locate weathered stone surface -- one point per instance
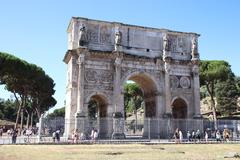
(102, 56)
(135, 40)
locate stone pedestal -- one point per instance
(118, 126)
(81, 122)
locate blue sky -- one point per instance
(36, 30)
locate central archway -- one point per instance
(148, 87)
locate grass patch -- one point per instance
(118, 152)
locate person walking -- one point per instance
(95, 135)
(180, 136)
(58, 135)
(14, 135)
(76, 136)
(193, 136)
(176, 135)
(218, 136)
(92, 134)
(198, 135)
(188, 136)
(54, 137)
(206, 136)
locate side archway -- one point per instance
(97, 114)
(179, 108)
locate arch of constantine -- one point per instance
(102, 56)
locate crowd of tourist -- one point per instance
(197, 136)
(77, 136)
(194, 136)
(13, 133)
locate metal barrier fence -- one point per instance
(140, 130)
(149, 128)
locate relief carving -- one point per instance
(174, 82)
(185, 82)
(91, 34)
(98, 76)
(94, 86)
(105, 35)
(91, 76)
(178, 44)
(173, 41)
(180, 70)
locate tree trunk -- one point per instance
(38, 113)
(18, 110)
(135, 108)
(213, 107)
(22, 114)
(135, 119)
(21, 126)
(31, 124)
(210, 89)
(17, 118)
(28, 117)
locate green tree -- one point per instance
(237, 80)
(7, 110)
(92, 109)
(28, 83)
(210, 73)
(1, 108)
(227, 94)
(42, 92)
(57, 113)
(133, 98)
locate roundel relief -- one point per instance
(184, 82)
(174, 82)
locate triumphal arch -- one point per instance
(102, 56)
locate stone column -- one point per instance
(80, 114)
(159, 96)
(167, 91)
(80, 89)
(71, 93)
(196, 91)
(195, 70)
(118, 116)
(167, 59)
(117, 86)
